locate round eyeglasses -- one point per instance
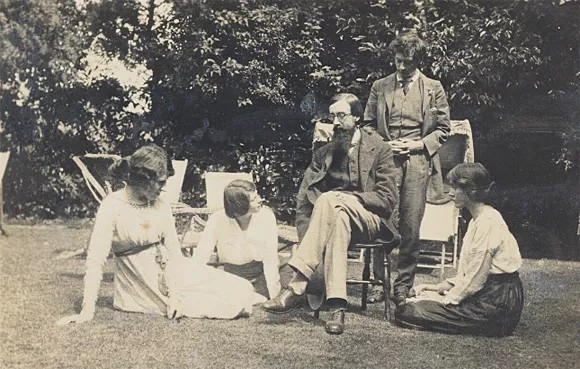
(341, 116)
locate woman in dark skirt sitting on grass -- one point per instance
(486, 296)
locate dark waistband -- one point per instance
(504, 277)
(248, 270)
(137, 249)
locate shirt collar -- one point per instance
(355, 137)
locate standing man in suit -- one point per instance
(348, 192)
(411, 112)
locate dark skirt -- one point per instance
(253, 272)
(495, 310)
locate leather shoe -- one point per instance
(336, 324)
(285, 302)
(377, 295)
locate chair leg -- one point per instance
(366, 277)
(2, 230)
(387, 287)
(442, 272)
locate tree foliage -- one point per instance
(205, 64)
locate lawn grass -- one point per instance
(36, 291)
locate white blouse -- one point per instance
(488, 248)
(259, 242)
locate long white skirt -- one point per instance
(202, 291)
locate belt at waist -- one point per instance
(504, 277)
(251, 270)
(137, 249)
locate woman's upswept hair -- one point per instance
(473, 178)
(356, 108)
(147, 163)
(237, 197)
(409, 44)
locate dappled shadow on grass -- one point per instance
(303, 315)
(102, 302)
(75, 254)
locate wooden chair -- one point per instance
(322, 135)
(441, 225)
(4, 156)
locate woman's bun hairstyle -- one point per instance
(120, 169)
(145, 164)
(474, 179)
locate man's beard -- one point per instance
(341, 140)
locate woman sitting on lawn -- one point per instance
(486, 297)
(246, 237)
(151, 274)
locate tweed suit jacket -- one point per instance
(378, 186)
(436, 122)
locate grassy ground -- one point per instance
(36, 291)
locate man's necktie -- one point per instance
(406, 83)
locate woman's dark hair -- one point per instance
(409, 44)
(473, 178)
(356, 108)
(147, 163)
(237, 197)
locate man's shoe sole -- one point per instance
(280, 312)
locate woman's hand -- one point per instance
(77, 318)
(424, 287)
(444, 287)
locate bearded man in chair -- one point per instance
(347, 194)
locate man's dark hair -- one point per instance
(356, 108)
(409, 44)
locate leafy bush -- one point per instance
(278, 171)
(208, 62)
(544, 219)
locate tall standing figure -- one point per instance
(348, 193)
(410, 111)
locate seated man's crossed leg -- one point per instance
(336, 219)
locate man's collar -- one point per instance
(355, 137)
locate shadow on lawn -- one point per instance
(102, 302)
(303, 314)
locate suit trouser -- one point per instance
(336, 220)
(412, 177)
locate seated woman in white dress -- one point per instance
(486, 296)
(246, 237)
(151, 274)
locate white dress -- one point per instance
(259, 242)
(201, 291)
